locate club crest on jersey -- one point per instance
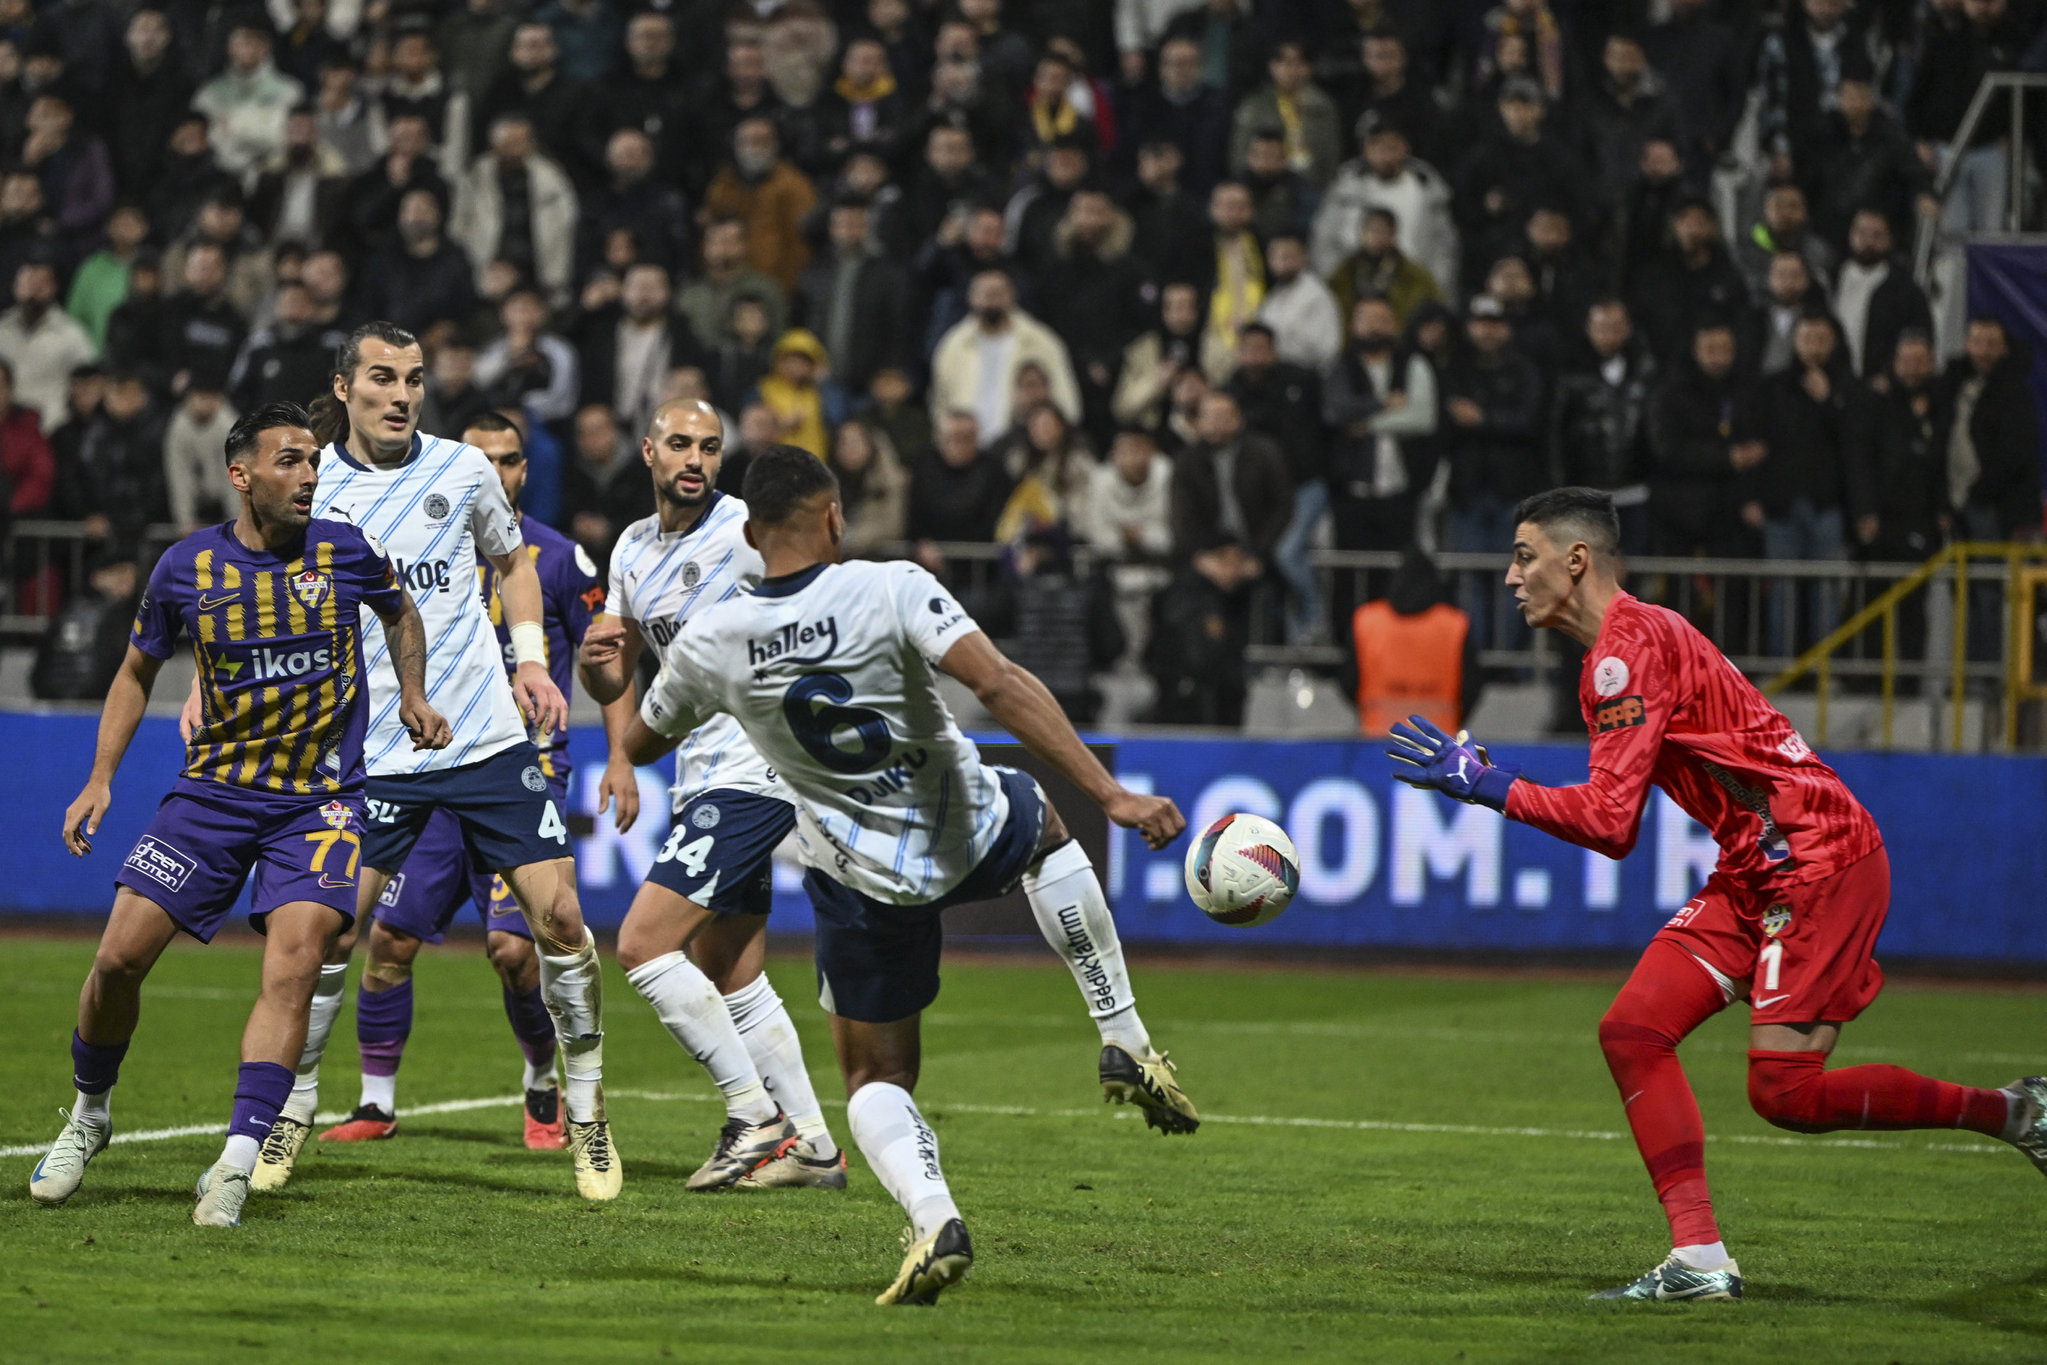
(435, 507)
(335, 814)
(1619, 714)
(1776, 919)
(704, 817)
(311, 588)
(691, 574)
(533, 780)
(1609, 677)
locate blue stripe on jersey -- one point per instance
(450, 662)
(483, 689)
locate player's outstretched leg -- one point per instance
(1667, 996)
(137, 932)
(572, 983)
(1072, 913)
(880, 1062)
(513, 957)
(695, 1015)
(383, 1023)
(296, 940)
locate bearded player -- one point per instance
(1787, 921)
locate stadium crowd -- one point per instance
(1198, 285)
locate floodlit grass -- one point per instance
(1357, 1194)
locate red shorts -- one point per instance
(1804, 952)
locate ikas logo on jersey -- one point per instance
(311, 589)
(1776, 919)
(277, 665)
(1619, 714)
(336, 815)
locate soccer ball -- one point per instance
(1243, 871)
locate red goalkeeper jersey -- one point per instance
(1665, 707)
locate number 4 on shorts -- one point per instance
(551, 826)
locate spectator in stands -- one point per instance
(794, 389)
(651, 96)
(1875, 296)
(630, 199)
(288, 360)
(1704, 445)
(854, 299)
(957, 491)
(1388, 177)
(1180, 107)
(1702, 59)
(195, 475)
(1815, 479)
(41, 343)
(1095, 295)
(743, 353)
(758, 429)
(1230, 488)
(188, 173)
(874, 490)
(966, 244)
(948, 182)
(1310, 141)
(1172, 231)
(1380, 269)
(763, 190)
(77, 176)
(516, 205)
(1599, 424)
(1957, 46)
(414, 84)
(1200, 626)
(101, 280)
(1536, 334)
(373, 196)
(1411, 652)
(302, 191)
(1177, 343)
(588, 33)
(1798, 74)
(1381, 406)
(1909, 469)
(558, 112)
(1127, 511)
(28, 470)
(1283, 403)
(346, 117)
(1298, 307)
(529, 366)
(1789, 294)
(628, 347)
(1692, 280)
(1492, 432)
(1629, 105)
(1031, 218)
(247, 104)
(605, 487)
(1990, 433)
(1861, 158)
(706, 301)
(426, 280)
(135, 331)
(1513, 168)
(1048, 465)
(248, 261)
(1783, 227)
(154, 91)
(202, 329)
(1391, 95)
(115, 482)
(863, 109)
(975, 366)
(1282, 199)
(893, 414)
(1566, 282)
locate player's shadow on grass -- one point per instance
(423, 1176)
(2009, 1305)
(779, 1282)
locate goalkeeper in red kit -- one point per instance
(1787, 921)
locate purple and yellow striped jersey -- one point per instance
(278, 643)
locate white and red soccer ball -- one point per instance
(1242, 871)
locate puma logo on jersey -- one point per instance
(1619, 714)
(782, 646)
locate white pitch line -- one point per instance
(1024, 1111)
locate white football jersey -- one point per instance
(830, 673)
(434, 514)
(661, 581)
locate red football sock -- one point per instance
(1668, 995)
(1795, 1090)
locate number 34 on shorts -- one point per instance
(692, 854)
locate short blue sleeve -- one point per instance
(159, 617)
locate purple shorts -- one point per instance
(438, 879)
(201, 845)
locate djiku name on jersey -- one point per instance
(831, 674)
(664, 580)
(434, 514)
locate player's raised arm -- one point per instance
(608, 657)
(119, 717)
(1023, 706)
(405, 633)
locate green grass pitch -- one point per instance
(1361, 1191)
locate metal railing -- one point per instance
(2016, 85)
(43, 562)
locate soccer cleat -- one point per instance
(1151, 1084)
(280, 1153)
(222, 1191)
(742, 1146)
(931, 1266)
(1674, 1282)
(367, 1124)
(544, 1131)
(2029, 1118)
(599, 1172)
(794, 1166)
(57, 1176)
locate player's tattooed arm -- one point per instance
(1022, 705)
(126, 699)
(540, 701)
(608, 658)
(405, 634)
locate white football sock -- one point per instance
(1702, 1256)
(381, 1092)
(240, 1153)
(903, 1153)
(539, 1078)
(693, 1012)
(1073, 915)
(777, 1053)
(95, 1108)
(327, 998)
(573, 987)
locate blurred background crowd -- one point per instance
(1164, 297)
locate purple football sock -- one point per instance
(532, 1025)
(383, 1021)
(261, 1088)
(94, 1068)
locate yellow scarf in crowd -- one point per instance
(882, 87)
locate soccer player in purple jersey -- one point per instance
(439, 876)
(272, 785)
